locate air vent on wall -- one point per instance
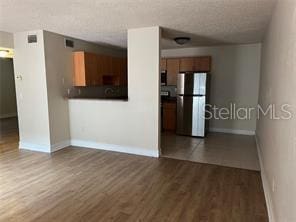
(69, 43)
(32, 38)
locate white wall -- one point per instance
(129, 126)
(59, 72)
(234, 79)
(31, 91)
(277, 138)
(46, 68)
(48, 121)
(6, 39)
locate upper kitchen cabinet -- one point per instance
(197, 64)
(123, 75)
(95, 70)
(163, 65)
(173, 68)
(105, 65)
(187, 64)
(202, 64)
(119, 72)
(85, 68)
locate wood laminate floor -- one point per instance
(8, 134)
(79, 184)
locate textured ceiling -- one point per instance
(207, 22)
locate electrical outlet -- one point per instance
(63, 81)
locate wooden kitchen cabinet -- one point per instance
(95, 70)
(123, 75)
(173, 68)
(202, 64)
(85, 69)
(198, 64)
(119, 71)
(187, 64)
(163, 64)
(169, 116)
(105, 65)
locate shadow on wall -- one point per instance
(228, 93)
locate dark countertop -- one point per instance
(120, 98)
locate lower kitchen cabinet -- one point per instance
(169, 116)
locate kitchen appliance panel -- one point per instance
(191, 83)
(191, 115)
(202, 89)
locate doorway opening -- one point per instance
(184, 133)
(9, 132)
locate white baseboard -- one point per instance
(44, 148)
(88, 144)
(58, 146)
(266, 187)
(34, 147)
(8, 115)
(116, 148)
(233, 131)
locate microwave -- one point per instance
(163, 78)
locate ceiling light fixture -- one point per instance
(182, 40)
(3, 53)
